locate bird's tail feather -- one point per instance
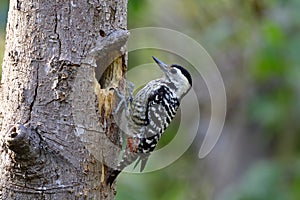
(143, 159)
(112, 176)
(127, 159)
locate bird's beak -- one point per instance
(163, 66)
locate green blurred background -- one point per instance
(256, 45)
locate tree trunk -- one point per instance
(58, 134)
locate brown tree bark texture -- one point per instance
(58, 136)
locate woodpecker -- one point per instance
(151, 112)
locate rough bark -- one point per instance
(58, 134)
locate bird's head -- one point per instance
(177, 77)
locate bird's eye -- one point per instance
(173, 71)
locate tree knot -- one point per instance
(23, 141)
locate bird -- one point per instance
(151, 111)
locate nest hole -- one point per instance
(105, 76)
